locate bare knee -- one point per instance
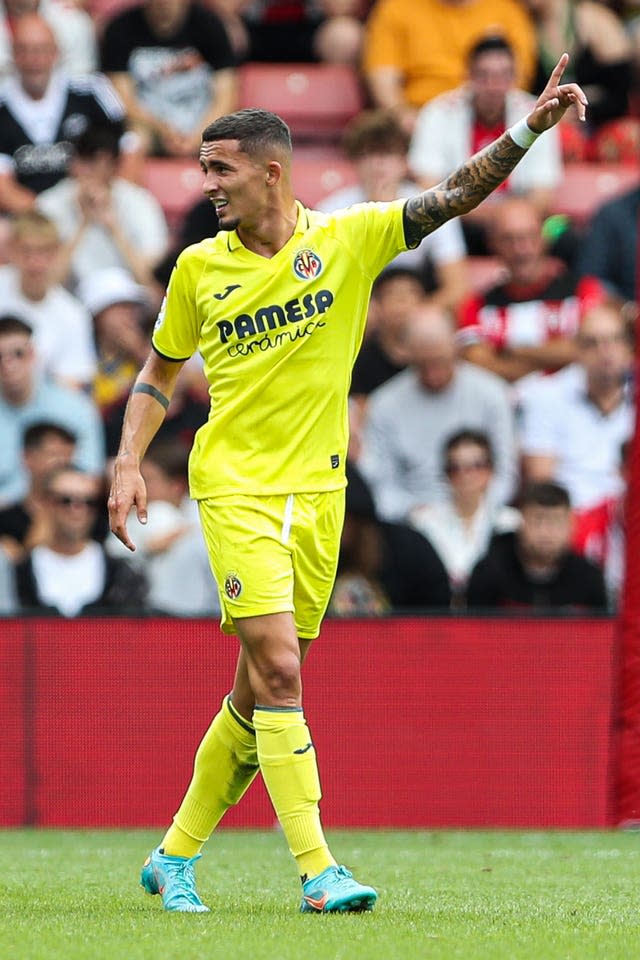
(275, 679)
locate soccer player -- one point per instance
(276, 304)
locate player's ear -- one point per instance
(273, 173)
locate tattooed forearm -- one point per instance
(462, 190)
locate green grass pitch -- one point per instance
(495, 895)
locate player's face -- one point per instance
(235, 183)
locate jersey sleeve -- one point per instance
(373, 233)
(176, 333)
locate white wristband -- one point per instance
(522, 134)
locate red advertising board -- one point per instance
(417, 722)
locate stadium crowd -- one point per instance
(492, 401)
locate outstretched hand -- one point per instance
(555, 100)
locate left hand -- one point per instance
(555, 100)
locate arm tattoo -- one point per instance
(462, 190)
(153, 392)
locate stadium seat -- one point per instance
(315, 99)
(176, 184)
(586, 186)
(314, 178)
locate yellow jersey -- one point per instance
(279, 338)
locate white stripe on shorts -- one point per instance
(286, 521)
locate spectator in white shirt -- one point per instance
(464, 120)
(461, 527)
(575, 421)
(104, 220)
(377, 146)
(410, 417)
(62, 326)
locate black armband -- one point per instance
(153, 392)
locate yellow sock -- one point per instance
(226, 762)
(288, 765)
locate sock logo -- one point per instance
(304, 749)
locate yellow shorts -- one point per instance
(274, 554)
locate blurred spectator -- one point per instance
(460, 527)
(45, 447)
(293, 31)
(117, 304)
(415, 51)
(25, 398)
(172, 64)
(103, 219)
(170, 548)
(397, 293)
(188, 411)
(463, 121)
(41, 112)
(383, 566)
(610, 248)
(527, 324)
(70, 574)
(575, 421)
(62, 329)
(377, 146)
(72, 27)
(535, 565)
(600, 534)
(601, 62)
(8, 599)
(410, 417)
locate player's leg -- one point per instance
(288, 763)
(225, 764)
(315, 556)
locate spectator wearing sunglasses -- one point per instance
(460, 527)
(26, 397)
(70, 574)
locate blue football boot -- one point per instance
(335, 891)
(174, 879)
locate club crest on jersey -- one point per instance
(232, 586)
(307, 264)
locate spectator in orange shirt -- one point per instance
(415, 51)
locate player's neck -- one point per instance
(272, 232)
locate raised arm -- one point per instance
(472, 182)
(148, 402)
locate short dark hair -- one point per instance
(97, 139)
(477, 437)
(491, 44)
(397, 273)
(38, 432)
(170, 456)
(544, 493)
(374, 131)
(53, 475)
(256, 130)
(10, 323)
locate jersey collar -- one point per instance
(302, 225)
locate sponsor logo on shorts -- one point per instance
(307, 264)
(232, 586)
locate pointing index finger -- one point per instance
(558, 70)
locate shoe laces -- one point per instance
(183, 875)
(342, 875)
